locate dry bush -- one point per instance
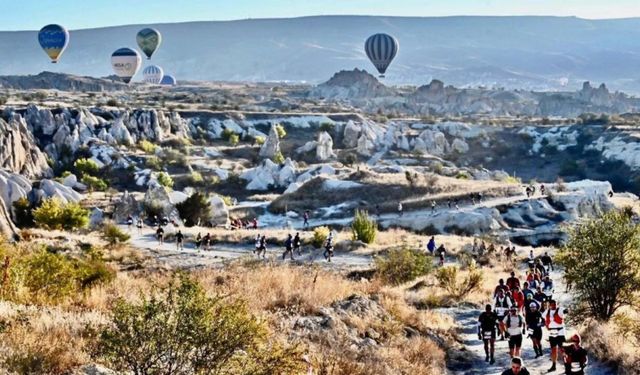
(459, 286)
(605, 342)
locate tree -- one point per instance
(180, 330)
(602, 264)
(53, 214)
(194, 209)
(403, 265)
(86, 167)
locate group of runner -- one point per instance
(527, 309)
(293, 244)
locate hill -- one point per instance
(515, 52)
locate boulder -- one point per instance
(351, 134)
(271, 146)
(158, 198)
(13, 186)
(96, 218)
(19, 152)
(459, 146)
(324, 149)
(125, 206)
(54, 189)
(434, 143)
(219, 213)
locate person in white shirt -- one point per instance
(554, 321)
(515, 327)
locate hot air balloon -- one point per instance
(152, 74)
(53, 40)
(168, 80)
(149, 40)
(381, 49)
(125, 63)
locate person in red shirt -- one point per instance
(518, 298)
(513, 281)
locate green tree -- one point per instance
(280, 130)
(363, 227)
(403, 265)
(602, 264)
(180, 330)
(53, 214)
(194, 209)
(86, 167)
(94, 183)
(165, 180)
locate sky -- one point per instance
(33, 14)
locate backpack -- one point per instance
(509, 320)
(556, 317)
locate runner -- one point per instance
(129, 222)
(518, 298)
(179, 240)
(515, 327)
(297, 244)
(400, 209)
(262, 247)
(516, 368)
(547, 262)
(139, 225)
(500, 287)
(547, 287)
(575, 357)
(206, 241)
(288, 247)
(527, 292)
(160, 235)
(256, 246)
(502, 304)
(328, 247)
(441, 254)
(554, 321)
(431, 245)
(433, 207)
(535, 322)
(513, 281)
(305, 216)
(539, 295)
(487, 324)
(198, 241)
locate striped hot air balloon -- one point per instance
(149, 40)
(152, 74)
(126, 63)
(381, 49)
(53, 39)
(168, 80)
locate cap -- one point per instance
(576, 338)
(533, 304)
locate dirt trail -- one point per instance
(467, 320)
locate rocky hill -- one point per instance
(59, 81)
(363, 90)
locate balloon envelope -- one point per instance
(168, 80)
(53, 40)
(125, 63)
(149, 40)
(152, 74)
(381, 49)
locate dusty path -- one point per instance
(467, 320)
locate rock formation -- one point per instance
(271, 146)
(324, 148)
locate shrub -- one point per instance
(113, 102)
(53, 214)
(403, 265)
(512, 180)
(94, 183)
(194, 209)
(350, 159)
(147, 146)
(363, 227)
(176, 158)
(459, 289)
(601, 261)
(280, 130)
(49, 276)
(234, 139)
(227, 133)
(462, 175)
(260, 140)
(195, 178)
(86, 167)
(180, 330)
(165, 180)
(328, 127)
(228, 201)
(278, 158)
(320, 235)
(114, 235)
(23, 213)
(153, 163)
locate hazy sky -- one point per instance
(76, 14)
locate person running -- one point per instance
(575, 357)
(547, 262)
(542, 189)
(262, 247)
(518, 298)
(515, 327)
(206, 241)
(540, 267)
(328, 248)
(198, 241)
(297, 244)
(487, 325)
(526, 291)
(305, 216)
(441, 254)
(554, 321)
(288, 247)
(431, 245)
(449, 203)
(547, 287)
(517, 368)
(433, 207)
(179, 240)
(160, 235)
(400, 213)
(500, 287)
(502, 304)
(539, 295)
(534, 321)
(129, 222)
(513, 281)
(139, 225)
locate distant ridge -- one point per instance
(542, 53)
(59, 81)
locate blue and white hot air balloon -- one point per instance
(168, 80)
(126, 63)
(53, 39)
(381, 49)
(152, 74)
